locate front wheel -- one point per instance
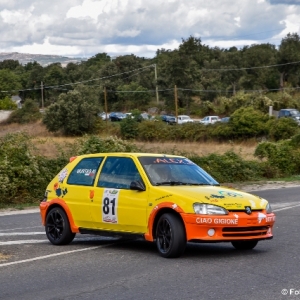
(57, 227)
(170, 236)
(244, 245)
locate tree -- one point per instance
(133, 95)
(289, 52)
(258, 76)
(9, 64)
(9, 83)
(231, 62)
(72, 114)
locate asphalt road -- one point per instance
(93, 267)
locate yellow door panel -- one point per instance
(79, 202)
(120, 210)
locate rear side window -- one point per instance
(85, 171)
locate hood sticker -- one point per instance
(162, 197)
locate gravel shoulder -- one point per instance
(263, 185)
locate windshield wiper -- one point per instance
(170, 183)
(183, 183)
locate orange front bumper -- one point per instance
(235, 226)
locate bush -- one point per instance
(248, 122)
(129, 128)
(95, 144)
(29, 113)
(23, 176)
(282, 156)
(7, 104)
(153, 131)
(229, 167)
(283, 128)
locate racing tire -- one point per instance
(244, 245)
(170, 236)
(57, 227)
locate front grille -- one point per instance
(245, 231)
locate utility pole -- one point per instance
(176, 104)
(156, 87)
(105, 104)
(42, 92)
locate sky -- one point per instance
(83, 28)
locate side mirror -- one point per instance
(137, 186)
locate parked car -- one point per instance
(103, 115)
(290, 113)
(210, 120)
(129, 115)
(171, 121)
(166, 118)
(182, 119)
(225, 119)
(117, 116)
(145, 116)
(162, 198)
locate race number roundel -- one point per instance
(110, 205)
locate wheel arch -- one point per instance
(157, 212)
(61, 204)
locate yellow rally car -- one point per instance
(163, 198)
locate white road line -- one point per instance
(46, 256)
(287, 207)
(21, 233)
(11, 229)
(19, 212)
(8, 243)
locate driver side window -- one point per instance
(118, 173)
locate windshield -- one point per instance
(294, 112)
(175, 171)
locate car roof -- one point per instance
(289, 109)
(125, 154)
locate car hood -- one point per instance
(228, 198)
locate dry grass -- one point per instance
(4, 257)
(244, 149)
(49, 148)
(33, 129)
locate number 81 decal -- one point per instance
(110, 206)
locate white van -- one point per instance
(184, 119)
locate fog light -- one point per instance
(211, 232)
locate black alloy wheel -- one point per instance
(170, 236)
(58, 228)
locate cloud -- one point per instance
(285, 2)
(87, 27)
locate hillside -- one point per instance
(43, 60)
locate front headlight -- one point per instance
(269, 208)
(209, 209)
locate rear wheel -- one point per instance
(57, 227)
(170, 236)
(244, 245)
